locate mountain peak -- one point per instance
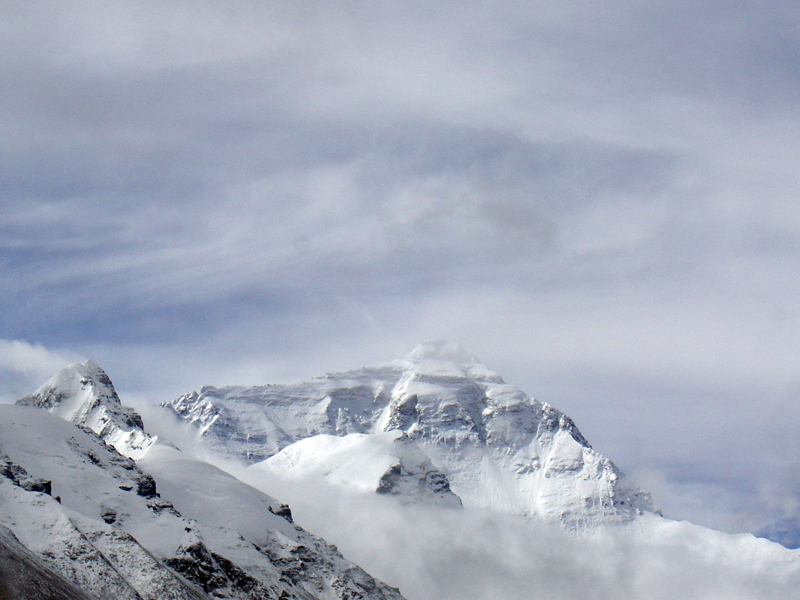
(91, 367)
(83, 393)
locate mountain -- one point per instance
(435, 425)
(163, 526)
(93, 506)
(84, 394)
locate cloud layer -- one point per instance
(471, 554)
(598, 201)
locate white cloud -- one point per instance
(441, 554)
(25, 366)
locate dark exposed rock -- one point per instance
(389, 479)
(109, 515)
(403, 413)
(20, 477)
(146, 486)
(197, 565)
(421, 481)
(216, 574)
(282, 510)
(159, 505)
(237, 576)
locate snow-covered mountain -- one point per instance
(84, 394)
(93, 506)
(163, 526)
(432, 426)
(24, 575)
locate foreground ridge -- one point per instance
(164, 526)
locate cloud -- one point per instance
(25, 366)
(472, 554)
(588, 197)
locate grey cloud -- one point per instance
(586, 196)
(24, 367)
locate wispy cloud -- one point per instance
(25, 366)
(239, 191)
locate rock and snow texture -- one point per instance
(80, 520)
(84, 394)
(165, 527)
(99, 513)
(25, 576)
(485, 440)
(387, 462)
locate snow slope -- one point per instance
(166, 526)
(101, 526)
(495, 446)
(25, 576)
(387, 462)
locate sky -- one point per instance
(600, 202)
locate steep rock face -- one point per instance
(496, 446)
(84, 394)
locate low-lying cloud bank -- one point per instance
(446, 554)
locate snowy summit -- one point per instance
(93, 506)
(435, 423)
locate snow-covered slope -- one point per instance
(100, 515)
(25, 576)
(387, 462)
(84, 394)
(167, 526)
(494, 446)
